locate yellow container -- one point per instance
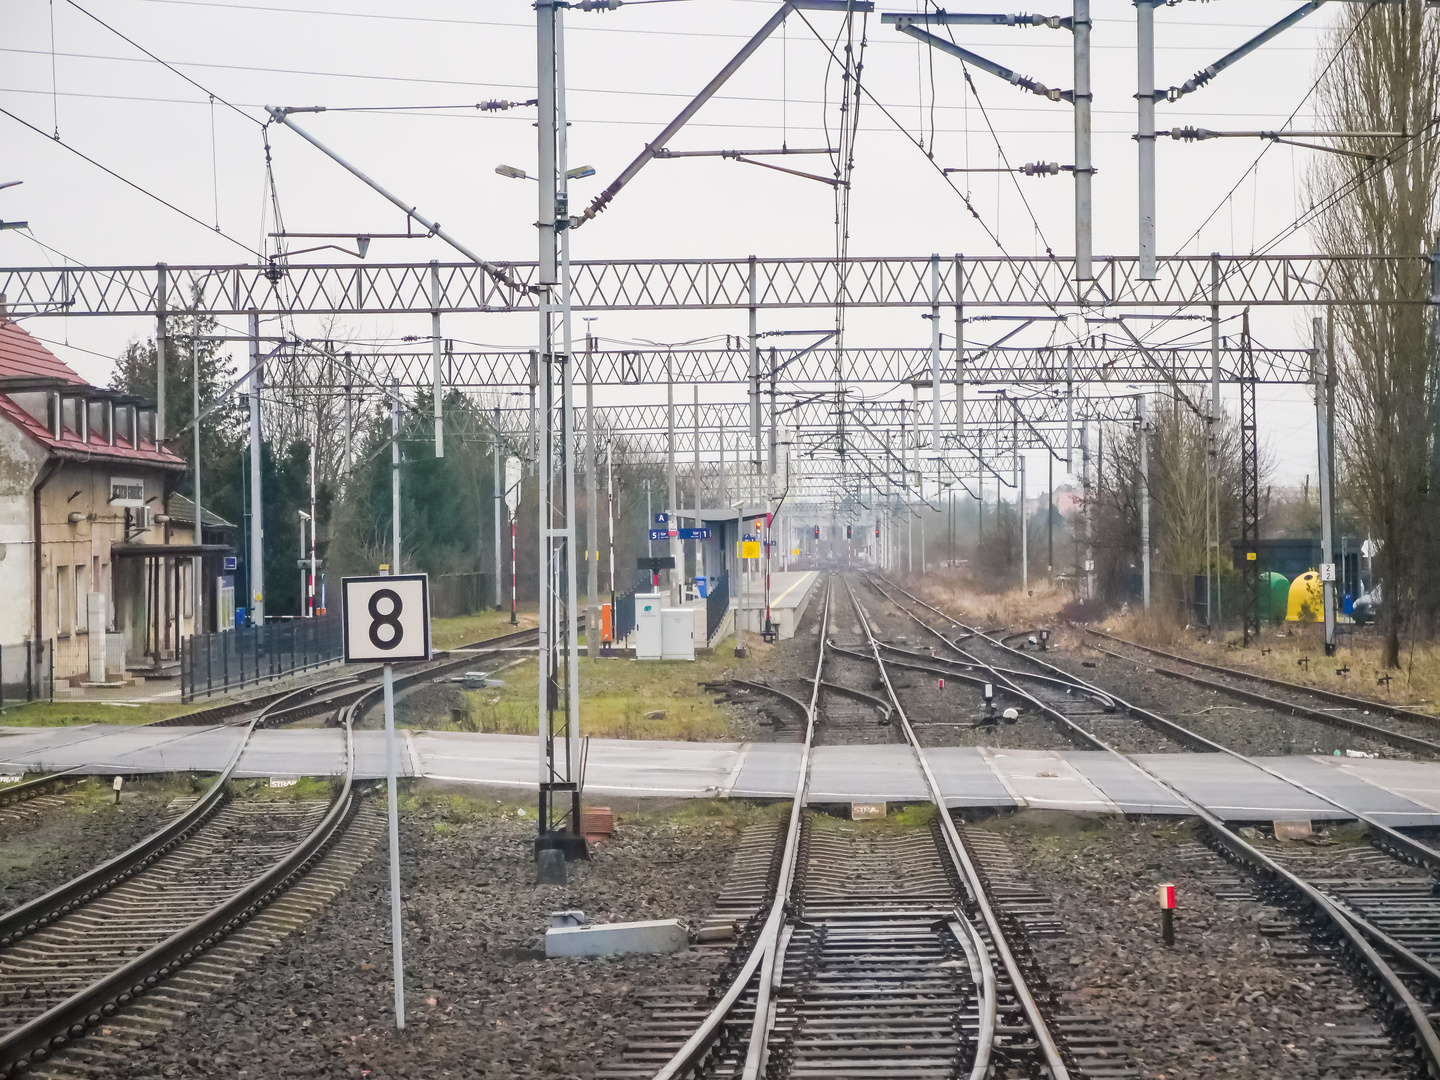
(1307, 601)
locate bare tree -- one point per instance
(1383, 74)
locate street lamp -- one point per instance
(580, 172)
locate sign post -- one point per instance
(388, 619)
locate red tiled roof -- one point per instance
(21, 354)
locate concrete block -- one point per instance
(616, 939)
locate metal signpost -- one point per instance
(387, 618)
(512, 502)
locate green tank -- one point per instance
(1274, 597)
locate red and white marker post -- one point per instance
(1167, 912)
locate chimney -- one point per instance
(4, 307)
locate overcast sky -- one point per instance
(629, 72)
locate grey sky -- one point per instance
(629, 71)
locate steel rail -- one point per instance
(1379, 734)
(1398, 711)
(1407, 847)
(38, 1038)
(960, 855)
(762, 954)
(35, 1040)
(1355, 929)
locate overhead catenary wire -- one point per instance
(131, 183)
(168, 66)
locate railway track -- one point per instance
(88, 968)
(1406, 730)
(1381, 911)
(868, 957)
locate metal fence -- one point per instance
(452, 595)
(717, 602)
(234, 659)
(27, 672)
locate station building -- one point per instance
(93, 557)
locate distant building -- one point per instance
(88, 523)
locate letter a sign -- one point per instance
(386, 618)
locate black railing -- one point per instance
(717, 602)
(234, 659)
(623, 616)
(27, 672)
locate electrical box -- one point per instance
(647, 626)
(677, 634)
(607, 626)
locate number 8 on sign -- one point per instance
(389, 620)
(386, 618)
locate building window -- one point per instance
(82, 599)
(64, 601)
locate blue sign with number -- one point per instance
(694, 534)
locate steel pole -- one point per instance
(1084, 170)
(935, 353)
(257, 514)
(392, 807)
(592, 510)
(1145, 135)
(499, 491)
(1024, 532)
(162, 341)
(1140, 412)
(677, 552)
(395, 478)
(435, 366)
(197, 564)
(1322, 443)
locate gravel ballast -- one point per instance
(86, 831)
(481, 999)
(1243, 993)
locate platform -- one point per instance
(790, 593)
(1395, 792)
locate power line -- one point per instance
(169, 67)
(130, 183)
(1269, 144)
(609, 91)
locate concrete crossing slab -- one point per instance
(121, 748)
(1396, 792)
(1234, 790)
(859, 773)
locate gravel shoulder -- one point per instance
(1234, 997)
(481, 1000)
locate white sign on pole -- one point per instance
(512, 484)
(386, 618)
(1327, 571)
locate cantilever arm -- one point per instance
(282, 116)
(656, 145)
(998, 70)
(1204, 75)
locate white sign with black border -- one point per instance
(386, 618)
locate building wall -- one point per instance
(76, 560)
(20, 463)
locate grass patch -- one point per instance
(72, 713)
(467, 629)
(304, 789)
(450, 808)
(616, 696)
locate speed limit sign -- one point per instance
(386, 618)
